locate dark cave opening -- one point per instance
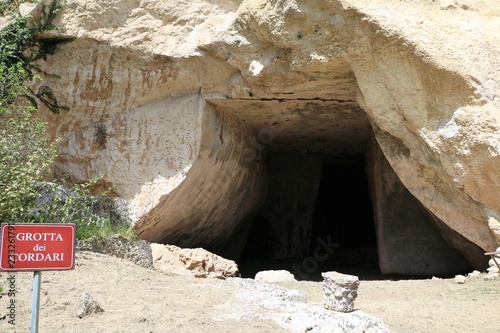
(334, 202)
(316, 217)
(346, 213)
(343, 225)
(343, 210)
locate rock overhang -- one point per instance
(312, 126)
(300, 62)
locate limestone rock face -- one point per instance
(176, 102)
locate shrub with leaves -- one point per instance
(25, 155)
(25, 152)
(93, 215)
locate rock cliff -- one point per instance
(180, 103)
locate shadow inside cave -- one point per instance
(361, 262)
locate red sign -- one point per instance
(37, 247)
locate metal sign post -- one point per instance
(35, 305)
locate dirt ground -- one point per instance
(136, 299)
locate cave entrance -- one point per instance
(317, 216)
(329, 183)
(347, 213)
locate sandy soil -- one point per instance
(135, 299)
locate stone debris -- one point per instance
(272, 276)
(164, 258)
(87, 306)
(340, 291)
(493, 265)
(139, 251)
(491, 276)
(192, 262)
(474, 275)
(49, 193)
(492, 270)
(460, 279)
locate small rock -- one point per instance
(435, 278)
(493, 269)
(86, 306)
(493, 262)
(474, 275)
(491, 276)
(272, 276)
(460, 279)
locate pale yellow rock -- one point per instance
(192, 262)
(158, 78)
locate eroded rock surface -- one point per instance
(138, 252)
(176, 101)
(192, 262)
(289, 309)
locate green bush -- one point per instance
(25, 152)
(91, 214)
